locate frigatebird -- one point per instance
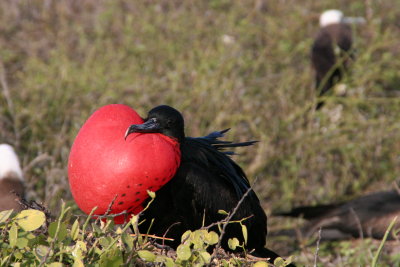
(11, 179)
(366, 216)
(207, 181)
(332, 50)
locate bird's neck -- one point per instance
(9, 184)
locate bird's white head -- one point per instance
(9, 163)
(332, 16)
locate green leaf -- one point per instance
(4, 260)
(169, 262)
(128, 240)
(78, 263)
(108, 226)
(200, 233)
(42, 251)
(205, 256)
(244, 231)
(183, 252)
(279, 262)
(96, 228)
(22, 242)
(118, 231)
(111, 258)
(26, 239)
(18, 255)
(4, 215)
(75, 230)
(260, 264)
(13, 235)
(62, 231)
(30, 220)
(186, 235)
(134, 219)
(233, 243)
(151, 194)
(223, 212)
(55, 264)
(105, 241)
(211, 238)
(198, 239)
(146, 255)
(79, 249)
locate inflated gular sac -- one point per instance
(103, 166)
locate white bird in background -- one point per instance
(332, 49)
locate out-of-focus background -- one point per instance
(239, 64)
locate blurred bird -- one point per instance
(11, 179)
(332, 49)
(366, 216)
(206, 181)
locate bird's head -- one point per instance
(162, 119)
(334, 16)
(9, 163)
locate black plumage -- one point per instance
(207, 180)
(366, 216)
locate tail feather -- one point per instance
(213, 139)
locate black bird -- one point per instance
(207, 181)
(332, 50)
(366, 216)
(11, 179)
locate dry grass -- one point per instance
(242, 64)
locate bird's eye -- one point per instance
(169, 123)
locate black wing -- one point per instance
(209, 152)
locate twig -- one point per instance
(4, 85)
(10, 104)
(35, 206)
(162, 247)
(229, 218)
(378, 253)
(111, 215)
(226, 220)
(154, 236)
(317, 249)
(51, 248)
(110, 205)
(107, 213)
(38, 159)
(255, 259)
(166, 232)
(231, 215)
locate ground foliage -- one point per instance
(240, 64)
(30, 238)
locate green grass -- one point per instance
(63, 60)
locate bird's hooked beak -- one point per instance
(149, 126)
(353, 20)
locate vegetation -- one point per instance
(32, 239)
(240, 64)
